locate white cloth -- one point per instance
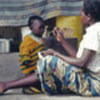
(91, 41)
(38, 39)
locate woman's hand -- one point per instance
(48, 52)
(58, 33)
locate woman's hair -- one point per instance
(92, 7)
(32, 18)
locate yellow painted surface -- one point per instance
(70, 22)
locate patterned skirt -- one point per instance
(57, 76)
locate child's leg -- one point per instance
(31, 79)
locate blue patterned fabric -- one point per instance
(57, 76)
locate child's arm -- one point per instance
(68, 48)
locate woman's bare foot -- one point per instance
(2, 87)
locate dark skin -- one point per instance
(37, 28)
(80, 62)
(68, 48)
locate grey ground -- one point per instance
(9, 70)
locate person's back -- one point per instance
(91, 41)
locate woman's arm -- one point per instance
(68, 48)
(80, 62)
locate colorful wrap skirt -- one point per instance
(57, 76)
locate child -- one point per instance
(29, 48)
(79, 72)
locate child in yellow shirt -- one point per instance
(29, 48)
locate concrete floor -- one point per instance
(9, 70)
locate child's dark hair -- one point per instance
(32, 18)
(92, 7)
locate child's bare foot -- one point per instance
(2, 87)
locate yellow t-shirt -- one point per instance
(28, 56)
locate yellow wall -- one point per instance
(72, 22)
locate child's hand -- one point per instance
(48, 52)
(58, 33)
